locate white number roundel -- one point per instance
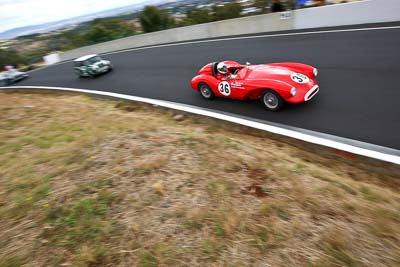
(299, 78)
(224, 88)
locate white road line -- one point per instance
(257, 125)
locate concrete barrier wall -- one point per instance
(368, 11)
(254, 24)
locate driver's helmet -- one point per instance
(222, 68)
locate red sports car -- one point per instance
(274, 84)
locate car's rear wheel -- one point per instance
(206, 91)
(272, 101)
(6, 82)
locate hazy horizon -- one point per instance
(22, 13)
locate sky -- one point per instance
(19, 13)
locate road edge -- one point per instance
(339, 143)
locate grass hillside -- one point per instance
(89, 182)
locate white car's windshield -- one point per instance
(93, 60)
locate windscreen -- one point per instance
(93, 60)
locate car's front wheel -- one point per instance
(91, 73)
(78, 73)
(6, 82)
(206, 91)
(272, 101)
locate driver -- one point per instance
(223, 72)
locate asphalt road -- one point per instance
(359, 75)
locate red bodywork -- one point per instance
(252, 80)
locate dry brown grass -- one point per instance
(86, 183)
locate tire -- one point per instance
(91, 74)
(6, 82)
(78, 73)
(205, 91)
(272, 101)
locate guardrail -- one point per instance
(367, 11)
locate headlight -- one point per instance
(95, 67)
(315, 72)
(293, 91)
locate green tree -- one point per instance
(103, 30)
(291, 4)
(10, 57)
(198, 16)
(153, 19)
(97, 31)
(228, 11)
(36, 55)
(262, 4)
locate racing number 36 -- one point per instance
(299, 78)
(224, 88)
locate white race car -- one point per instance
(11, 75)
(91, 66)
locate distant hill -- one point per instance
(27, 30)
(51, 26)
